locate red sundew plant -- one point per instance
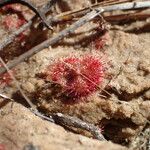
(78, 77)
(14, 20)
(100, 42)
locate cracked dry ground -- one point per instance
(124, 113)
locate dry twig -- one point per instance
(5, 97)
(127, 17)
(78, 13)
(77, 123)
(68, 121)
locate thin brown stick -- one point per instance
(127, 17)
(78, 13)
(6, 97)
(77, 123)
(7, 40)
(69, 121)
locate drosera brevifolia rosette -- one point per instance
(77, 76)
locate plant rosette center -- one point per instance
(78, 77)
